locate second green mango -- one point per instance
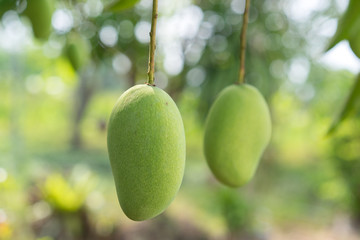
(40, 13)
(237, 131)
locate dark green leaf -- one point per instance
(121, 5)
(354, 39)
(6, 5)
(352, 103)
(347, 25)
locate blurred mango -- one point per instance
(40, 12)
(77, 50)
(237, 131)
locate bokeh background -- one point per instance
(60, 77)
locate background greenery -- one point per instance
(57, 92)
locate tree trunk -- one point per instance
(84, 93)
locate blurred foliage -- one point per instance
(121, 5)
(346, 158)
(63, 196)
(55, 178)
(352, 102)
(348, 29)
(235, 210)
(349, 24)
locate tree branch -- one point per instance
(152, 46)
(243, 42)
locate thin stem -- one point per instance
(152, 46)
(243, 42)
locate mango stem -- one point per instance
(152, 45)
(243, 42)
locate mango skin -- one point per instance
(146, 145)
(237, 131)
(40, 14)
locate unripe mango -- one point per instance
(77, 50)
(40, 13)
(237, 131)
(146, 145)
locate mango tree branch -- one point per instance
(243, 42)
(152, 45)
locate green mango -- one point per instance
(77, 50)
(40, 12)
(146, 145)
(237, 131)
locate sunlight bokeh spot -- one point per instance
(3, 175)
(196, 76)
(108, 36)
(142, 30)
(41, 210)
(161, 79)
(34, 83)
(93, 8)
(3, 216)
(238, 6)
(121, 64)
(54, 85)
(62, 21)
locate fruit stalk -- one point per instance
(243, 42)
(152, 46)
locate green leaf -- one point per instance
(120, 5)
(347, 25)
(355, 45)
(354, 39)
(352, 103)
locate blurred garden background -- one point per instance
(59, 79)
